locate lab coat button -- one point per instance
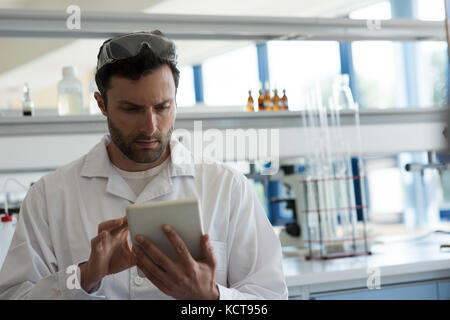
(138, 280)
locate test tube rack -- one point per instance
(333, 230)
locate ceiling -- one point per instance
(39, 61)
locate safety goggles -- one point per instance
(129, 45)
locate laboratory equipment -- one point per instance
(70, 93)
(276, 101)
(268, 105)
(27, 103)
(8, 223)
(326, 202)
(7, 228)
(261, 100)
(250, 105)
(284, 101)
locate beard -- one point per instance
(126, 144)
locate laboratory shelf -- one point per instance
(53, 24)
(86, 124)
(49, 141)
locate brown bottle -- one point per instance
(261, 100)
(284, 101)
(268, 106)
(276, 101)
(250, 105)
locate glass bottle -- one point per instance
(276, 101)
(268, 106)
(250, 104)
(27, 103)
(342, 94)
(284, 101)
(70, 93)
(261, 100)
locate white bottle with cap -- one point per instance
(70, 93)
(7, 228)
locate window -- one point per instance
(431, 10)
(410, 74)
(384, 84)
(297, 65)
(185, 92)
(374, 63)
(380, 11)
(434, 55)
(385, 190)
(228, 77)
(432, 73)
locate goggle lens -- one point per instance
(129, 46)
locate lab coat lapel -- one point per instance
(118, 187)
(97, 164)
(180, 164)
(160, 185)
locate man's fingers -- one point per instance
(119, 229)
(110, 224)
(158, 257)
(143, 260)
(178, 244)
(157, 282)
(96, 240)
(100, 242)
(208, 252)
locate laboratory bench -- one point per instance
(399, 267)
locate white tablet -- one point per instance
(184, 217)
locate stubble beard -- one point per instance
(127, 146)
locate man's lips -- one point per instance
(148, 144)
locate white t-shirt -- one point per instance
(140, 179)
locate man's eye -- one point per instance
(162, 107)
(131, 109)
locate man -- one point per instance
(72, 223)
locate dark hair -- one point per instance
(144, 63)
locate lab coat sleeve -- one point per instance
(30, 269)
(255, 269)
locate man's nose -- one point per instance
(149, 122)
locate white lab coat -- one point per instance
(62, 211)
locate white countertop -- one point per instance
(399, 261)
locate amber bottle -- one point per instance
(276, 101)
(268, 106)
(261, 100)
(250, 104)
(284, 101)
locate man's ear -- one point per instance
(101, 104)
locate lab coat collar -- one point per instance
(98, 164)
(181, 160)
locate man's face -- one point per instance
(141, 114)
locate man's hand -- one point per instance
(110, 253)
(184, 278)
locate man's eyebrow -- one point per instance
(141, 106)
(163, 103)
(130, 103)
